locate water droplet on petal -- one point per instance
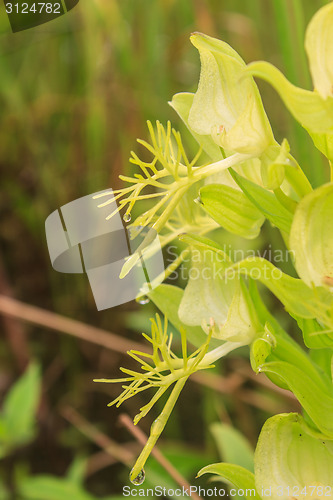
(127, 217)
(139, 479)
(259, 369)
(143, 300)
(198, 200)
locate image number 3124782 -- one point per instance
(32, 13)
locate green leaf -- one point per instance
(285, 349)
(289, 457)
(77, 470)
(265, 201)
(323, 359)
(317, 400)
(295, 295)
(288, 351)
(46, 487)
(205, 244)
(310, 109)
(323, 142)
(315, 335)
(20, 406)
(232, 445)
(168, 298)
(238, 476)
(230, 208)
(4, 445)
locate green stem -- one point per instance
(172, 205)
(157, 428)
(214, 168)
(219, 352)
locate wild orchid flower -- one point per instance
(228, 106)
(211, 294)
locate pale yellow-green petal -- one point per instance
(211, 296)
(273, 170)
(227, 104)
(214, 105)
(324, 142)
(309, 108)
(206, 296)
(248, 134)
(311, 237)
(239, 326)
(182, 104)
(319, 47)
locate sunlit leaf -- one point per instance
(266, 203)
(288, 458)
(238, 476)
(231, 209)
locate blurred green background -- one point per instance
(74, 95)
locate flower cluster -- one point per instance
(239, 178)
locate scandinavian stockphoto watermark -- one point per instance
(206, 265)
(123, 263)
(81, 240)
(25, 14)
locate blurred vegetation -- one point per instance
(74, 95)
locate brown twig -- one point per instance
(98, 461)
(233, 385)
(224, 385)
(162, 460)
(36, 315)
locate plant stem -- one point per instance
(219, 352)
(214, 168)
(157, 428)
